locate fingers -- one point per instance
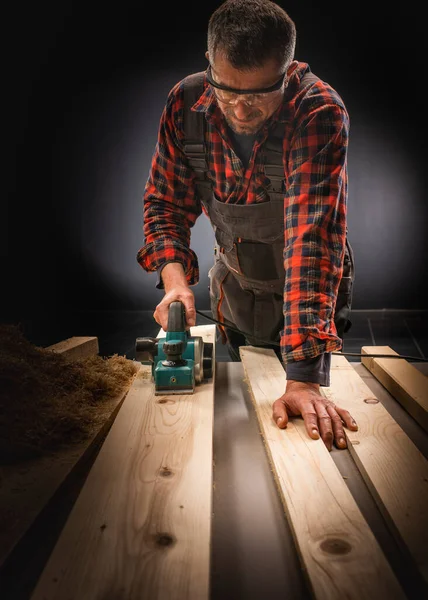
(161, 315)
(190, 313)
(331, 419)
(347, 418)
(337, 423)
(157, 318)
(185, 296)
(310, 418)
(322, 417)
(325, 424)
(279, 414)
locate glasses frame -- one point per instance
(273, 88)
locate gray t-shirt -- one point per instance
(242, 145)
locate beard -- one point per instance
(250, 126)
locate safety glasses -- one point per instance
(252, 97)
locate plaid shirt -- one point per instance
(315, 202)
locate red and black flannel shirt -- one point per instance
(315, 202)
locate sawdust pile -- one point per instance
(47, 402)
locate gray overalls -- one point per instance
(247, 279)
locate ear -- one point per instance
(207, 56)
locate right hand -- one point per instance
(185, 295)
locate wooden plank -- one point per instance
(338, 550)
(395, 471)
(141, 526)
(402, 380)
(25, 489)
(75, 348)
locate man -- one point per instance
(280, 228)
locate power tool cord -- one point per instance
(410, 358)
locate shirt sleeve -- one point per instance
(315, 229)
(171, 206)
(314, 370)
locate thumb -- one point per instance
(279, 414)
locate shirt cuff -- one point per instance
(313, 370)
(155, 255)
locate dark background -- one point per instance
(84, 86)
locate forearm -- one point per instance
(167, 236)
(173, 276)
(315, 236)
(313, 268)
(171, 206)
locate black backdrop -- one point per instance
(84, 86)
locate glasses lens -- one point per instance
(224, 96)
(250, 99)
(229, 97)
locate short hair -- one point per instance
(248, 33)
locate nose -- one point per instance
(241, 110)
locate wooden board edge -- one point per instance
(399, 449)
(76, 348)
(377, 367)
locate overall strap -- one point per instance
(273, 151)
(194, 127)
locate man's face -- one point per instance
(242, 117)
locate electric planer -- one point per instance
(179, 361)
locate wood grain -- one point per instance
(391, 465)
(140, 528)
(402, 380)
(339, 552)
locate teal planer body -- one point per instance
(182, 375)
(179, 361)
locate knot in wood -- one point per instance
(335, 546)
(165, 472)
(164, 539)
(165, 400)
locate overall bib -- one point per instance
(247, 279)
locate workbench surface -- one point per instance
(253, 553)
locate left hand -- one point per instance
(322, 417)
